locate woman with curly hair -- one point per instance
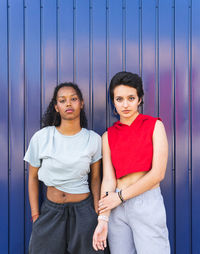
(135, 152)
(61, 155)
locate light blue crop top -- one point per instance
(64, 161)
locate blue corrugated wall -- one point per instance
(44, 42)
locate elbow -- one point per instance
(160, 176)
(33, 178)
(95, 180)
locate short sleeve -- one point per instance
(32, 154)
(97, 155)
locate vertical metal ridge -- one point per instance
(91, 85)
(57, 44)
(190, 113)
(173, 78)
(157, 104)
(25, 83)
(74, 41)
(174, 118)
(107, 66)
(9, 102)
(41, 62)
(25, 113)
(190, 81)
(123, 35)
(140, 42)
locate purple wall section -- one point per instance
(32, 90)
(165, 108)
(195, 125)
(4, 130)
(46, 42)
(16, 125)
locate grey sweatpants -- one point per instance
(139, 226)
(64, 228)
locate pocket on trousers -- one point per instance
(36, 220)
(43, 211)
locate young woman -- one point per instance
(135, 152)
(61, 155)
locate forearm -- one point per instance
(33, 187)
(95, 189)
(145, 183)
(108, 185)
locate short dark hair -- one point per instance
(51, 117)
(127, 79)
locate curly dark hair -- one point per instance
(127, 79)
(52, 118)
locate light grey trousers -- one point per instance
(139, 226)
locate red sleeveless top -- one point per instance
(132, 146)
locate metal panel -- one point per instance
(182, 103)
(83, 62)
(195, 93)
(88, 42)
(16, 121)
(115, 42)
(65, 41)
(149, 38)
(133, 36)
(99, 66)
(166, 105)
(49, 50)
(4, 128)
(32, 91)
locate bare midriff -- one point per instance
(61, 197)
(125, 181)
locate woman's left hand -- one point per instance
(109, 202)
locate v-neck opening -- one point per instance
(132, 124)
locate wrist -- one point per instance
(35, 216)
(34, 210)
(102, 223)
(103, 218)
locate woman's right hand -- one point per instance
(35, 217)
(100, 235)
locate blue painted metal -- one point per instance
(82, 52)
(32, 91)
(65, 40)
(166, 99)
(149, 56)
(182, 103)
(116, 56)
(46, 42)
(166, 108)
(195, 94)
(49, 57)
(133, 36)
(99, 66)
(4, 154)
(16, 128)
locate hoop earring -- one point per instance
(115, 111)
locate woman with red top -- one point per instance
(135, 151)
